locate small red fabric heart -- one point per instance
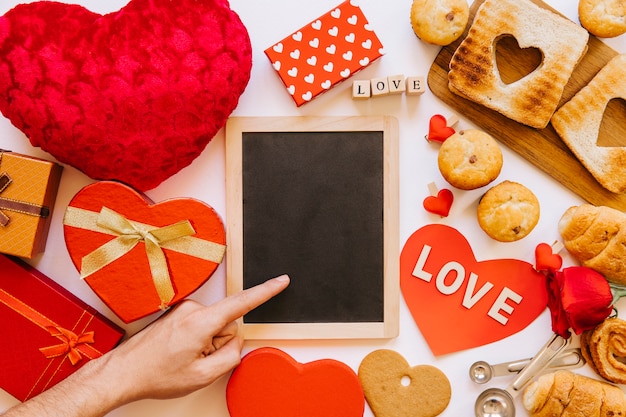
(438, 129)
(127, 283)
(545, 260)
(270, 383)
(439, 204)
(134, 95)
(460, 303)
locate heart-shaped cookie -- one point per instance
(438, 129)
(270, 383)
(459, 302)
(134, 95)
(439, 204)
(395, 389)
(138, 256)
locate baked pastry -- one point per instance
(603, 18)
(470, 159)
(381, 374)
(578, 124)
(596, 237)
(439, 22)
(532, 99)
(563, 394)
(604, 350)
(508, 211)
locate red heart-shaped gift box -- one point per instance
(270, 383)
(138, 256)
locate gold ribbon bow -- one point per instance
(17, 206)
(129, 235)
(69, 346)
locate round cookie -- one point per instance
(508, 211)
(603, 18)
(470, 159)
(439, 22)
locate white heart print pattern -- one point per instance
(325, 52)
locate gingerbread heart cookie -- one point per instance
(395, 389)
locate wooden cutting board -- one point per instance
(541, 147)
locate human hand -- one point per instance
(185, 350)
(188, 348)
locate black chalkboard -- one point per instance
(311, 197)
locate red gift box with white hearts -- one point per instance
(47, 332)
(325, 52)
(138, 256)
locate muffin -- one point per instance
(508, 212)
(603, 18)
(439, 22)
(470, 159)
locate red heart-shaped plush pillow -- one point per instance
(134, 95)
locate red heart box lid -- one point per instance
(108, 217)
(270, 383)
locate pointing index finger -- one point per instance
(235, 306)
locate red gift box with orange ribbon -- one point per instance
(47, 332)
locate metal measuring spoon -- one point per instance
(498, 402)
(481, 372)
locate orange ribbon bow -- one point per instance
(69, 346)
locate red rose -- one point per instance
(579, 298)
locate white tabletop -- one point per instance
(269, 21)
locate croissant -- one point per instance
(596, 237)
(565, 394)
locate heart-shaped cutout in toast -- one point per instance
(514, 63)
(612, 131)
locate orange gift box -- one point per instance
(325, 52)
(47, 332)
(28, 190)
(138, 256)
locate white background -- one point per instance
(268, 21)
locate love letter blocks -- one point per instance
(47, 332)
(325, 52)
(140, 256)
(28, 190)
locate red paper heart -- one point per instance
(439, 204)
(126, 284)
(545, 260)
(134, 95)
(443, 285)
(270, 383)
(438, 129)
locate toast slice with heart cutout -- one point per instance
(532, 99)
(578, 123)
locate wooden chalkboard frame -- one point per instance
(236, 127)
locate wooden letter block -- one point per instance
(397, 84)
(380, 86)
(361, 89)
(415, 86)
